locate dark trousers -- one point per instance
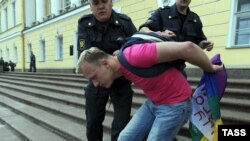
(32, 66)
(96, 100)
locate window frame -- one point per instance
(59, 48)
(66, 4)
(15, 54)
(1, 53)
(233, 26)
(42, 50)
(29, 49)
(13, 5)
(6, 18)
(1, 21)
(7, 55)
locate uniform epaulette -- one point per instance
(88, 16)
(123, 16)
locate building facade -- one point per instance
(49, 29)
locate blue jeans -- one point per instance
(157, 122)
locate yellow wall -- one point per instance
(66, 28)
(137, 10)
(215, 15)
(16, 41)
(9, 42)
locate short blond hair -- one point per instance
(92, 56)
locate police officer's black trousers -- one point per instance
(96, 100)
(32, 67)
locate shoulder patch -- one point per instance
(82, 43)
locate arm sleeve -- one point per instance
(83, 41)
(130, 29)
(153, 22)
(201, 36)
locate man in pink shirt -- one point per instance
(168, 106)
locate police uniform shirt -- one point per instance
(168, 18)
(104, 35)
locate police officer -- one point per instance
(1, 64)
(103, 29)
(12, 65)
(179, 23)
(32, 62)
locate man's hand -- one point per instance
(205, 44)
(217, 67)
(166, 33)
(115, 53)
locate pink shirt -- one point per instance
(166, 88)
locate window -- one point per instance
(13, 5)
(1, 53)
(66, 4)
(0, 22)
(15, 55)
(240, 26)
(7, 55)
(47, 7)
(6, 18)
(42, 50)
(59, 48)
(29, 48)
(83, 2)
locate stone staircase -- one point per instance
(50, 107)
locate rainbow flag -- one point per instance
(206, 115)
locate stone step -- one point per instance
(69, 75)
(73, 111)
(67, 99)
(55, 123)
(49, 102)
(51, 81)
(66, 77)
(230, 92)
(27, 128)
(7, 133)
(36, 103)
(241, 105)
(237, 93)
(67, 90)
(231, 83)
(59, 124)
(140, 99)
(44, 86)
